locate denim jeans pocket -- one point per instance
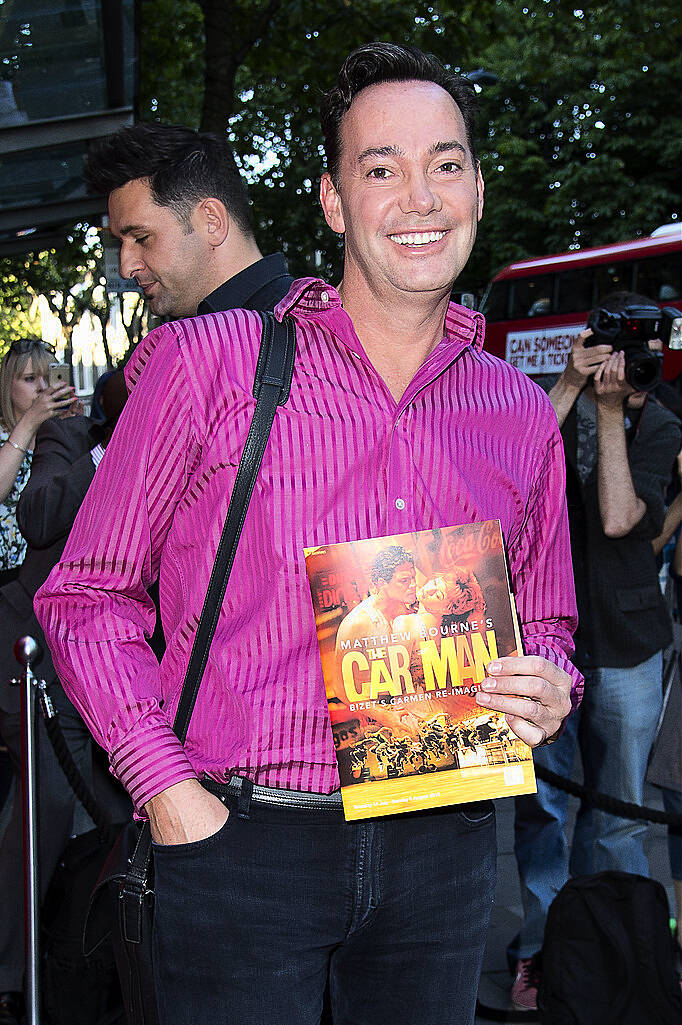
(176, 850)
(476, 812)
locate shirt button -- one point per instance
(399, 503)
(324, 296)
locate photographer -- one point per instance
(620, 445)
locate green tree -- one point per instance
(18, 317)
(583, 144)
(172, 62)
(73, 280)
(61, 275)
(267, 63)
(580, 143)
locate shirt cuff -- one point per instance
(560, 659)
(97, 454)
(150, 759)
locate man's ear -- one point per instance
(480, 188)
(331, 204)
(213, 220)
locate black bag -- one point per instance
(106, 926)
(608, 956)
(78, 987)
(127, 877)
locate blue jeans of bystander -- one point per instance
(614, 730)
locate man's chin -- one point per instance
(423, 280)
(163, 306)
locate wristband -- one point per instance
(17, 447)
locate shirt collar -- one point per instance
(235, 293)
(310, 297)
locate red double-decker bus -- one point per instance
(535, 308)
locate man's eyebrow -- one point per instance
(128, 229)
(447, 147)
(381, 151)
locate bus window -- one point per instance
(660, 277)
(576, 290)
(532, 297)
(614, 277)
(496, 302)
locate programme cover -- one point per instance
(406, 625)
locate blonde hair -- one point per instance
(13, 365)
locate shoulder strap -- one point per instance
(271, 388)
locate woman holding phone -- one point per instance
(26, 401)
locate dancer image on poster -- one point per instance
(387, 612)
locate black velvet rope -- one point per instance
(605, 802)
(625, 809)
(103, 823)
(594, 798)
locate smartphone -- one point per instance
(59, 373)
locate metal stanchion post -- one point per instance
(26, 651)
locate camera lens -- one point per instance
(643, 370)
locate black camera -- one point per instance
(630, 331)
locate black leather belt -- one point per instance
(237, 786)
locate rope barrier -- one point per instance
(107, 830)
(605, 802)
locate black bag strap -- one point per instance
(271, 388)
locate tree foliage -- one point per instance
(172, 64)
(18, 317)
(61, 275)
(72, 279)
(579, 140)
(583, 144)
(276, 58)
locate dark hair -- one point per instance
(616, 302)
(388, 62)
(387, 562)
(183, 167)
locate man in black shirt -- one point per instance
(620, 447)
(181, 211)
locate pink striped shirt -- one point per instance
(471, 439)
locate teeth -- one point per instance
(418, 238)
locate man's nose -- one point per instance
(129, 262)
(420, 195)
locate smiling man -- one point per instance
(397, 421)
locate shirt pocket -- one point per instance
(637, 599)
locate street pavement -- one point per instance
(507, 914)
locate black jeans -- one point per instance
(250, 922)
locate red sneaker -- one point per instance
(524, 991)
